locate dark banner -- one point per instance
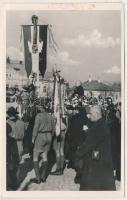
(43, 54)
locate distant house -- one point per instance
(16, 76)
(97, 88)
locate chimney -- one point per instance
(90, 79)
(98, 80)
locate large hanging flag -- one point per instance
(35, 48)
(57, 107)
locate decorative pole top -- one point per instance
(34, 19)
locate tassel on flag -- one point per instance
(21, 47)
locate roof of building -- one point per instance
(96, 85)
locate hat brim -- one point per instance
(12, 113)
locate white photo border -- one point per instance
(117, 5)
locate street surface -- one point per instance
(64, 182)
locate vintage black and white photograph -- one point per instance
(63, 100)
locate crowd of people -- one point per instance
(89, 141)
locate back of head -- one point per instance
(78, 83)
(12, 112)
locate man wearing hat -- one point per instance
(113, 127)
(43, 130)
(16, 134)
(18, 129)
(11, 165)
(77, 135)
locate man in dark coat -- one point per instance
(113, 125)
(18, 130)
(11, 162)
(77, 135)
(97, 170)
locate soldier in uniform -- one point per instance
(58, 146)
(42, 136)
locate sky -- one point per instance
(89, 42)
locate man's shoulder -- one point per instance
(41, 115)
(50, 116)
(104, 127)
(10, 122)
(20, 121)
(99, 125)
(102, 123)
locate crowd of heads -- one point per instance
(27, 97)
(95, 107)
(78, 101)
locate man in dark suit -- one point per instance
(97, 170)
(77, 135)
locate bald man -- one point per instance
(97, 171)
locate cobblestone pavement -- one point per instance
(55, 183)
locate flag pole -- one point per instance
(38, 82)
